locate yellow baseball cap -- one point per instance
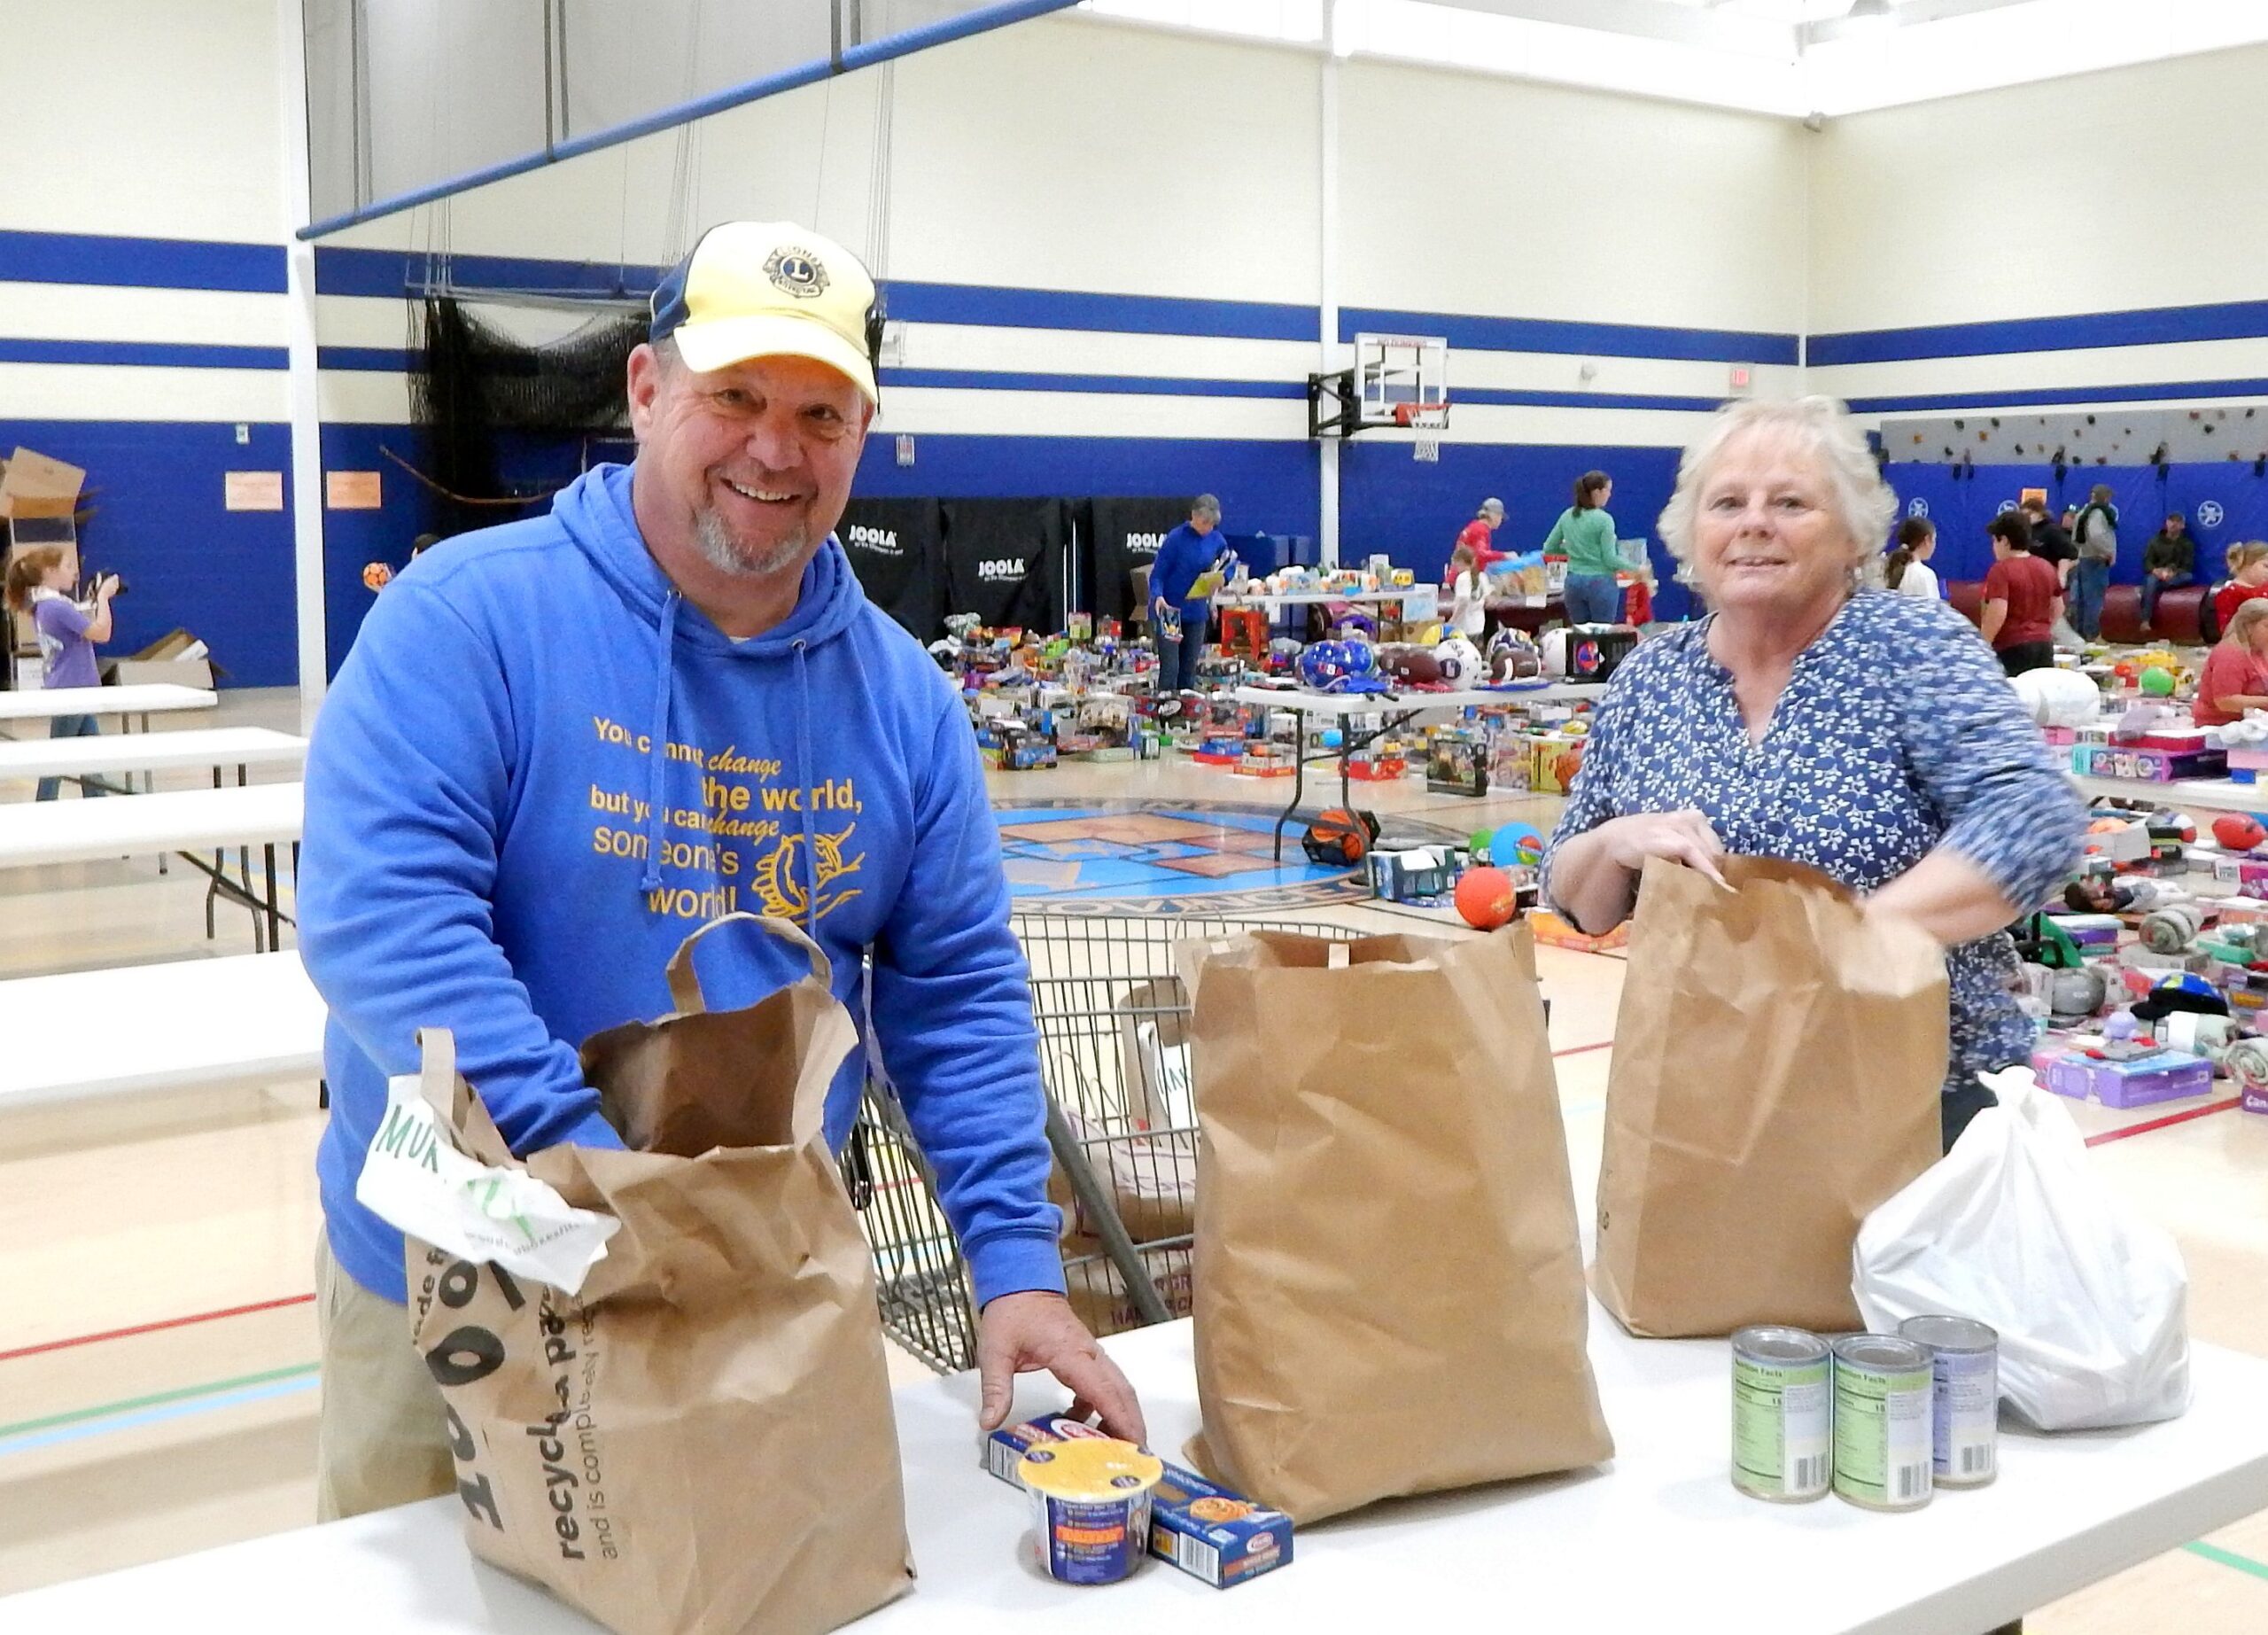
(772, 289)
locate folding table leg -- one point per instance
(1299, 780)
(274, 914)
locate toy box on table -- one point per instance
(1557, 757)
(1376, 766)
(1456, 761)
(2138, 1081)
(2150, 766)
(1423, 875)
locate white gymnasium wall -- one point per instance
(138, 119)
(1072, 157)
(1631, 243)
(2036, 221)
(142, 306)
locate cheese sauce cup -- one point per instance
(1091, 1503)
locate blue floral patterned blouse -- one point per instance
(1898, 733)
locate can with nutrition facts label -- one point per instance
(1783, 1415)
(1884, 1394)
(1965, 1361)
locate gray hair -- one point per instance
(1861, 500)
(1205, 505)
(1492, 504)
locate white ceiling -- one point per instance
(1786, 57)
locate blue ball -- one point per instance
(1517, 845)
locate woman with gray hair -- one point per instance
(1870, 735)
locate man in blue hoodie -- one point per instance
(1178, 611)
(561, 745)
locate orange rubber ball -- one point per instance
(1485, 899)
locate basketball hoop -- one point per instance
(1428, 420)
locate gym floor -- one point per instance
(158, 1358)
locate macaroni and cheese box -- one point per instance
(1199, 1526)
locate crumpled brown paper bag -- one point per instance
(701, 1442)
(1388, 1287)
(1778, 1063)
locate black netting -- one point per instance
(475, 389)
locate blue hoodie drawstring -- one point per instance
(658, 758)
(804, 770)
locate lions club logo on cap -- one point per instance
(797, 272)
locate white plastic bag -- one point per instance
(416, 1178)
(2013, 1228)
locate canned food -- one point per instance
(1090, 1499)
(1883, 1392)
(1965, 1413)
(1783, 1415)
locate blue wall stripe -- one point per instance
(150, 353)
(382, 360)
(2161, 392)
(144, 263)
(2078, 331)
(1612, 340)
(340, 270)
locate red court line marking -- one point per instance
(2160, 1123)
(1576, 1050)
(157, 1328)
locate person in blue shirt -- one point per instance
(1176, 613)
(1868, 734)
(665, 701)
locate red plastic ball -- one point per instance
(2238, 831)
(1486, 897)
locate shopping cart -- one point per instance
(1114, 1043)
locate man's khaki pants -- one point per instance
(382, 1438)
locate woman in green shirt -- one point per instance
(1586, 533)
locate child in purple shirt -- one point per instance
(39, 583)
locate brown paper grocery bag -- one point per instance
(700, 1441)
(1778, 1061)
(1388, 1287)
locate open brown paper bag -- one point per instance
(1778, 1061)
(1388, 1289)
(701, 1442)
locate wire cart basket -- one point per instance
(1114, 1044)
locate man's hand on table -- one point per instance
(1025, 1332)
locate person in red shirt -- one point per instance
(2247, 579)
(2023, 598)
(1480, 533)
(2236, 670)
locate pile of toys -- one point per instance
(2149, 743)
(1488, 880)
(2153, 978)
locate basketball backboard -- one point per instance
(1398, 380)
(1400, 372)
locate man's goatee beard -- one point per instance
(727, 555)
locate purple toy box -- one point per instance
(2162, 1076)
(2256, 1099)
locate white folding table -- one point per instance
(2188, 794)
(138, 702)
(186, 821)
(1657, 1540)
(1400, 709)
(245, 1019)
(144, 699)
(214, 747)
